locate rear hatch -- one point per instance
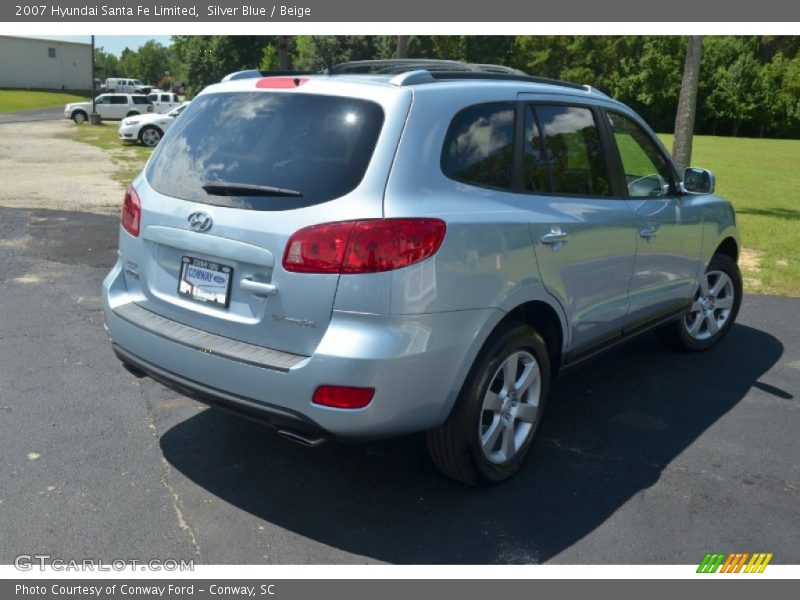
(241, 170)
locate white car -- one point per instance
(109, 106)
(148, 129)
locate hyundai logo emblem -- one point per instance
(200, 221)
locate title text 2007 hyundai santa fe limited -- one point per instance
(390, 247)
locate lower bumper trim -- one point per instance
(264, 414)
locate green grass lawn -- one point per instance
(762, 180)
(14, 100)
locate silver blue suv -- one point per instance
(355, 255)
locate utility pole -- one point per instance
(94, 118)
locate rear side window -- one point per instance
(563, 153)
(119, 100)
(479, 145)
(140, 100)
(316, 146)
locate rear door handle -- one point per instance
(258, 288)
(556, 236)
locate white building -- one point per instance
(44, 64)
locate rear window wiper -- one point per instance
(226, 188)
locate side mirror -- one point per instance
(698, 181)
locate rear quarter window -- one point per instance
(140, 100)
(479, 145)
(319, 146)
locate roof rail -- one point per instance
(511, 77)
(412, 71)
(391, 66)
(487, 68)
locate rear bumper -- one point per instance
(416, 364)
(265, 414)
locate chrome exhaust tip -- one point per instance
(301, 438)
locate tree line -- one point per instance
(748, 86)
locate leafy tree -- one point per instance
(128, 63)
(317, 52)
(106, 64)
(747, 85)
(152, 62)
(735, 95)
(206, 59)
(269, 59)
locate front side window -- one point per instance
(647, 172)
(102, 100)
(563, 152)
(479, 145)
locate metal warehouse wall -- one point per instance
(26, 63)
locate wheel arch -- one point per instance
(151, 126)
(543, 318)
(729, 247)
(538, 313)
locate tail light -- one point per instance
(149, 108)
(368, 246)
(340, 396)
(130, 217)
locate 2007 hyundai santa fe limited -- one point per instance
(392, 247)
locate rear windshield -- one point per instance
(317, 147)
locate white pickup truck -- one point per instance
(163, 102)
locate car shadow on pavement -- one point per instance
(612, 427)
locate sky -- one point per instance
(111, 43)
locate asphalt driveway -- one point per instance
(39, 114)
(645, 456)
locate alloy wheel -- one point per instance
(510, 408)
(712, 306)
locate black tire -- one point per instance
(677, 336)
(455, 447)
(80, 116)
(150, 136)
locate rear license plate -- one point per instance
(205, 281)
